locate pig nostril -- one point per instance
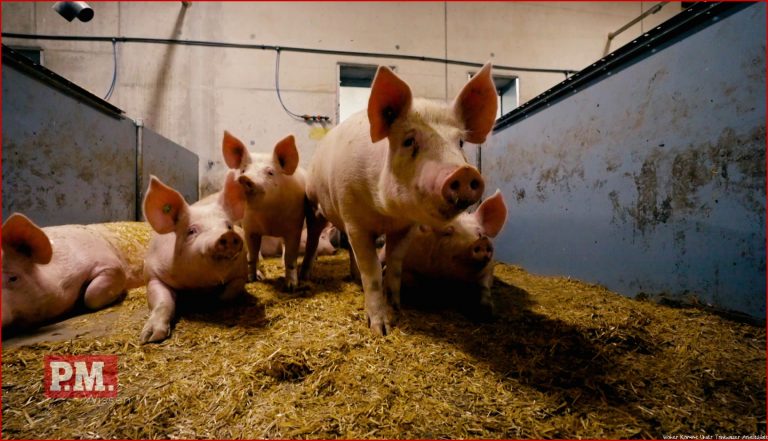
(477, 250)
(223, 242)
(475, 184)
(455, 185)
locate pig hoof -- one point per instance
(154, 332)
(380, 326)
(258, 276)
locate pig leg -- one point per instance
(487, 306)
(379, 312)
(290, 255)
(354, 271)
(232, 289)
(254, 247)
(105, 288)
(162, 303)
(315, 225)
(397, 247)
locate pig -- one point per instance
(459, 254)
(196, 249)
(274, 188)
(48, 271)
(396, 164)
(273, 246)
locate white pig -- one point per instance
(47, 271)
(459, 254)
(397, 164)
(197, 250)
(274, 187)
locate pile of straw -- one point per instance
(564, 360)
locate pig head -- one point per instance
(197, 248)
(397, 164)
(461, 251)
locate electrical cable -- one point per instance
(277, 87)
(114, 71)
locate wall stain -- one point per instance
(734, 164)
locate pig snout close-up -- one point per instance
(459, 254)
(196, 248)
(48, 271)
(274, 193)
(398, 163)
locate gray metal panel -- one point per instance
(63, 160)
(171, 163)
(651, 179)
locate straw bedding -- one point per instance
(565, 359)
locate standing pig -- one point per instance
(459, 254)
(398, 164)
(274, 188)
(47, 271)
(197, 249)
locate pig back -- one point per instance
(130, 240)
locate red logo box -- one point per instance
(80, 376)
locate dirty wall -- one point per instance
(652, 178)
(70, 157)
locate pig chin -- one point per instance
(219, 256)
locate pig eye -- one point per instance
(13, 278)
(461, 143)
(229, 225)
(191, 231)
(409, 141)
(270, 172)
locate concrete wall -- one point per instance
(651, 179)
(192, 94)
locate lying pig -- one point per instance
(274, 188)
(397, 164)
(197, 249)
(273, 246)
(48, 271)
(459, 254)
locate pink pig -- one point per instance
(398, 164)
(273, 246)
(46, 271)
(460, 253)
(197, 249)
(274, 187)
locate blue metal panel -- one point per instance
(171, 163)
(71, 157)
(652, 178)
(64, 160)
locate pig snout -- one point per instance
(481, 251)
(228, 246)
(463, 187)
(251, 188)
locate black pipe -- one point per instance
(204, 43)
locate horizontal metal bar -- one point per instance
(206, 43)
(654, 9)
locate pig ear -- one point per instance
(286, 155)
(23, 236)
(235, 153)
(232, 198)
(476, 105)
(390, 98)
(163, 206)
(492, 214)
